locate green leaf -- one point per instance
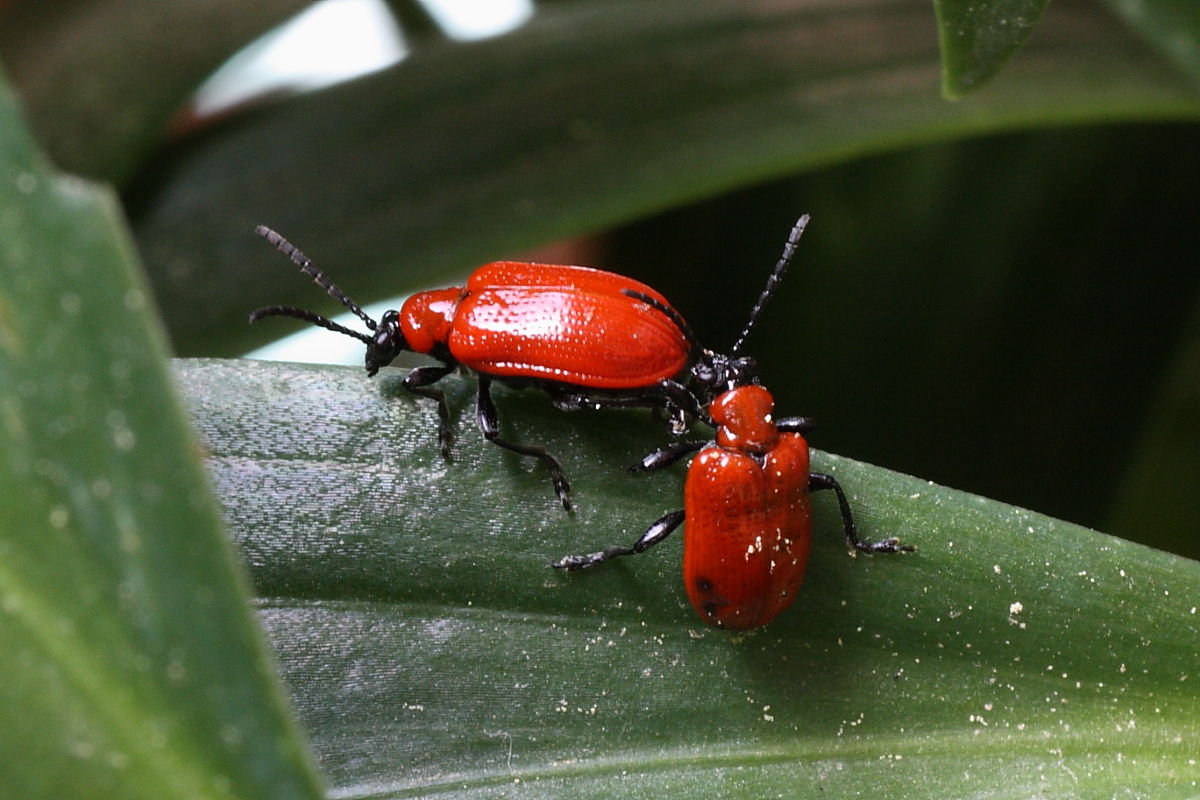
(430, 650)
(592, 115)
(979, 37)
(1171, 26)
(130, 666)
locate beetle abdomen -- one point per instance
(590, 337)
(747, 532)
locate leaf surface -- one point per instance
(978, 38)
(131, 668)
(431, 650)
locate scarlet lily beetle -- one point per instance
(747, 501)
(589, 338)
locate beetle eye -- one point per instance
(743, 371)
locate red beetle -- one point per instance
(746, 497)
(587, 337)
(747, 502)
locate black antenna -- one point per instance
(307, 316)
(320, 278)
(669, 312)
(789, 250)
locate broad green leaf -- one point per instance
(592, 115)
(431, 651)
(129, 667)
(978, 38)
(1171, 26)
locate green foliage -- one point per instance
(130, 666)
(426, 646)
(1172, 27)
(978, 38)
(430, 648)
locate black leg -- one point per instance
(671, 397)
(795, 424)
(665, 456)
(418, 382)
(489, 423)
(681, 406)
(580, 400)
(660, 530)
(818, 481)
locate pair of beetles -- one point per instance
(595, 339)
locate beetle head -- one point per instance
(384, 343)
(714, 373)
(387, 343)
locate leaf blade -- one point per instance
(978, 39)
(131, 667)
(422, 632)
(1172, 26)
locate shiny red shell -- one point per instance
(749, 515)
(572, 325)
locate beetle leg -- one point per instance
(489, 423)
(795, 424)
(680, 404)
(660, 530)
(665, 456)
(672, 397)
(573, 400)
(818, 481)
(418, 382)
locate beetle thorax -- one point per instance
(743, 419)
(426, 318)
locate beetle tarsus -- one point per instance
(819, 481)
(489, 423)
(418, 382)
(658, 531)
(889, 545)
(665, 456)
(576, 563)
